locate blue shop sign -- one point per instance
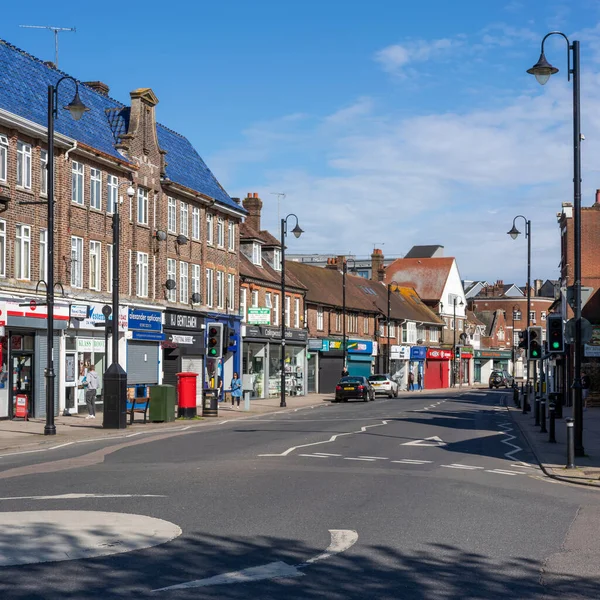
(144, 320)
(360, 347)
(148, 336)
(418, 352)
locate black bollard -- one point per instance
(570, 444)
(516, 399)
(552, 434)
(543, 417)
(536, 411)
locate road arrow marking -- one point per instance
(341, 540)
(433, 441)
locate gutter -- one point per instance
(33, 129)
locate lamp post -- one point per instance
(344, 272)
(454, 302)
(391, 287)
(76, 108)
(542, 71)
(297, 231)
(514, 234)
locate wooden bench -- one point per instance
(139, 405)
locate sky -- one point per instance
(384, 123)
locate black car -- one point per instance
(354, 388)
(498, 378)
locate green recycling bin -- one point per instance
(162, 403)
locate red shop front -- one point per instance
(437, 372)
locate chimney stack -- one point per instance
(253, 204)
(331, 264)
(377, 270)
(98, 86)
(597, 202)
(537, 286)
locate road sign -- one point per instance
(586, 331)
(586, 292)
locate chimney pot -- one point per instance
(597, 196)
(98, 86)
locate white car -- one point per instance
(384, 384)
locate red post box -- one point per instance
(186, 395)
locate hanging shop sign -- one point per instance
(139, 319)
(418, 352)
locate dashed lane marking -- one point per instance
(409, 461)
(327, 454)
(457, 466)
(503, 472)
(365, 459)
(313, 455)
(375, 457)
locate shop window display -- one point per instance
(254, 367)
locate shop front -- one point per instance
(485, 361)
(24, 350)
(313, 364)
(183, 347)
(437, 373)
(329, 361)
(144, 338)
(399, 364)
(359, 354)
(466, 358)
(418, 354)
(261, 362)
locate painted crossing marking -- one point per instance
(365, 459)
(503, 472)
(375, 457)
(408, 461)
(458, 466)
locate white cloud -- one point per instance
(395, 58)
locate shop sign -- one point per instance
(3, 314)
(90, 344)
(178, 320)
(592, 348)
(139, 319)
(492, 353)
(360, 347)
(400, 353)
(326, 346)
(274, 333)
(315, 344)
(79, 312)
(95, 315)
(148, 336)
(418, 352)
(335, 344)
(259, 316)
(439, 354)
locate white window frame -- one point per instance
(23, 252)
(112, 193)
(276, 310)
(184, 282)
(532, 316)
(288, 303)
(243, 301)
(268, 300)
(543, 315)
(209, 229)
(76, 262)
(3, 157)
(109, 267)
(171, 215)
(2, 248)
(277, 259)
(95, 188)
(220, 289)
(256, 254)
(434, 334)
(95, 265)
(392, 330)
(77, 183)
(366, 325)
(141, 275)
(43, 173)
(23, 165)
(297, 313)
(231, 236)
(172, 274)
(142, 207)
(196, 287)
(43, 254)
(254, 298)
(184, 219)
(230, 291)
(320, 320)
(220, 233)
(195, 223)
(210, 279)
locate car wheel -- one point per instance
(491, 386)
(391, 395)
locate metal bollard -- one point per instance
(552, 415)
(516, 398)
(247, 400)
(570, 444)
(537, 411)
(543, 417)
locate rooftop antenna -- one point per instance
(378, 245)
(56, 30)
(280, 197)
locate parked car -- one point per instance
(498, 378)
(350, 388)
(384, 384)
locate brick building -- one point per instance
(179, 246)
(261, 311)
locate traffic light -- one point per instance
(535, 343)
(555, 334)
(214, 340)
(524, 339)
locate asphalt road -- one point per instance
(428, 497)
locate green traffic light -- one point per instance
(556, 345)
(213, 351)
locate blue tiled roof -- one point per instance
(24, 82)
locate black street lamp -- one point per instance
(542, 71)
(297, 231)
(76, 108)
(115, 377)
(514, 234)
(344, 344)
(391, 287)
(456, 354)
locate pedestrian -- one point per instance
(411, 381)
(345, 372)
(236, 390)
(585, 388)
(93, 383)
(419, 381)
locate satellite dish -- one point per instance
(170, 284)
(196, 298)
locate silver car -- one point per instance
(384, 384)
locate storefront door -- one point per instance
(21, 367)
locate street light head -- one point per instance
(542, 70)
(130, 191)
(297, 231)
(77, 107)
(514, 232)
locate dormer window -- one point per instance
(277, 259)
(256, 254)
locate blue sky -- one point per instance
(385, 123)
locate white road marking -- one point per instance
(507, 427)
(503, 472)
(326, 454)
(61, 446)
(365, 459)
(329, 441)
(79, 496)
(457, 466)
(408, 461)
(341, 540)
(433, 441)
(375, 457)
(314, 455)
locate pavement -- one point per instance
(552, 457)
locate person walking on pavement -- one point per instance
(93, 383)
(236, 390)
(345, 372)
(585, 388)
(411, 381)
(419, 381)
